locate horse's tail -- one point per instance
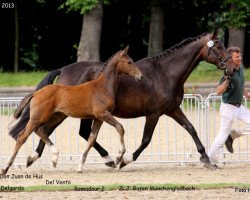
(48, 80)
(24, 114)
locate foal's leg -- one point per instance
(91, 140)
(22, 137)
(108, 117)
(47, 128)
(151, 121)
(85, 129)
(47, 141)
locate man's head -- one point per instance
(236, 55)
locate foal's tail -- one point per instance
(23, 110)
(22, 105)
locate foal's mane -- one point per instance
(176, 46)
(106, 63)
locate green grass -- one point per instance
(209, 73)
(7, 111)
(138, 187)
(8, 79)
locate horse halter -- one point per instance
(222, 63)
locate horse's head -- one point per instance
(126, 65)
(215, 52)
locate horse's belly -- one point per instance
(128, 108)
(141, 105)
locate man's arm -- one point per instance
(246, 94)
(222, 87)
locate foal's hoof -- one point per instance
(54, 164)
(205, 160)
(118, 160)
(111, 164)
(122, 164)
(29, 161)
(3, 171)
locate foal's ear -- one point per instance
(216, 32)
(126, 49)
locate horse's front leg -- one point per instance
(91, 140)
(22, 137)
(85, 129)
(151, 121)
(108, 117)
(179, 117)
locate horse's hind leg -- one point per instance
(108, 117)
(22, 137)
(47, 128)
(91, 140)
(47, 141)
(85, 129)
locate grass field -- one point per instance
(203, 73)
(8, 79)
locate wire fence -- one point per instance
(170, 143)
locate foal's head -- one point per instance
(126, 65)
(215, 52)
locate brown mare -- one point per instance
(159, 93)
(94, 99)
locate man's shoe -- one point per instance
(229, 144)
(212, 167)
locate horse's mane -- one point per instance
(176, 46)
(106, 63)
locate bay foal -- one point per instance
(94, 100)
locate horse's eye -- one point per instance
(219, 47)
(129, 62)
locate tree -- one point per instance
(89, 45)
(92, 10)
(156, 28)
(236, 21)
(16, 57)
(234, 16)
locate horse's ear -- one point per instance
(216, 32)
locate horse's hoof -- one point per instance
(111, 164)
(122, 164)
(205, 160)
(3, 171)
(79, 171)
(29, 161)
